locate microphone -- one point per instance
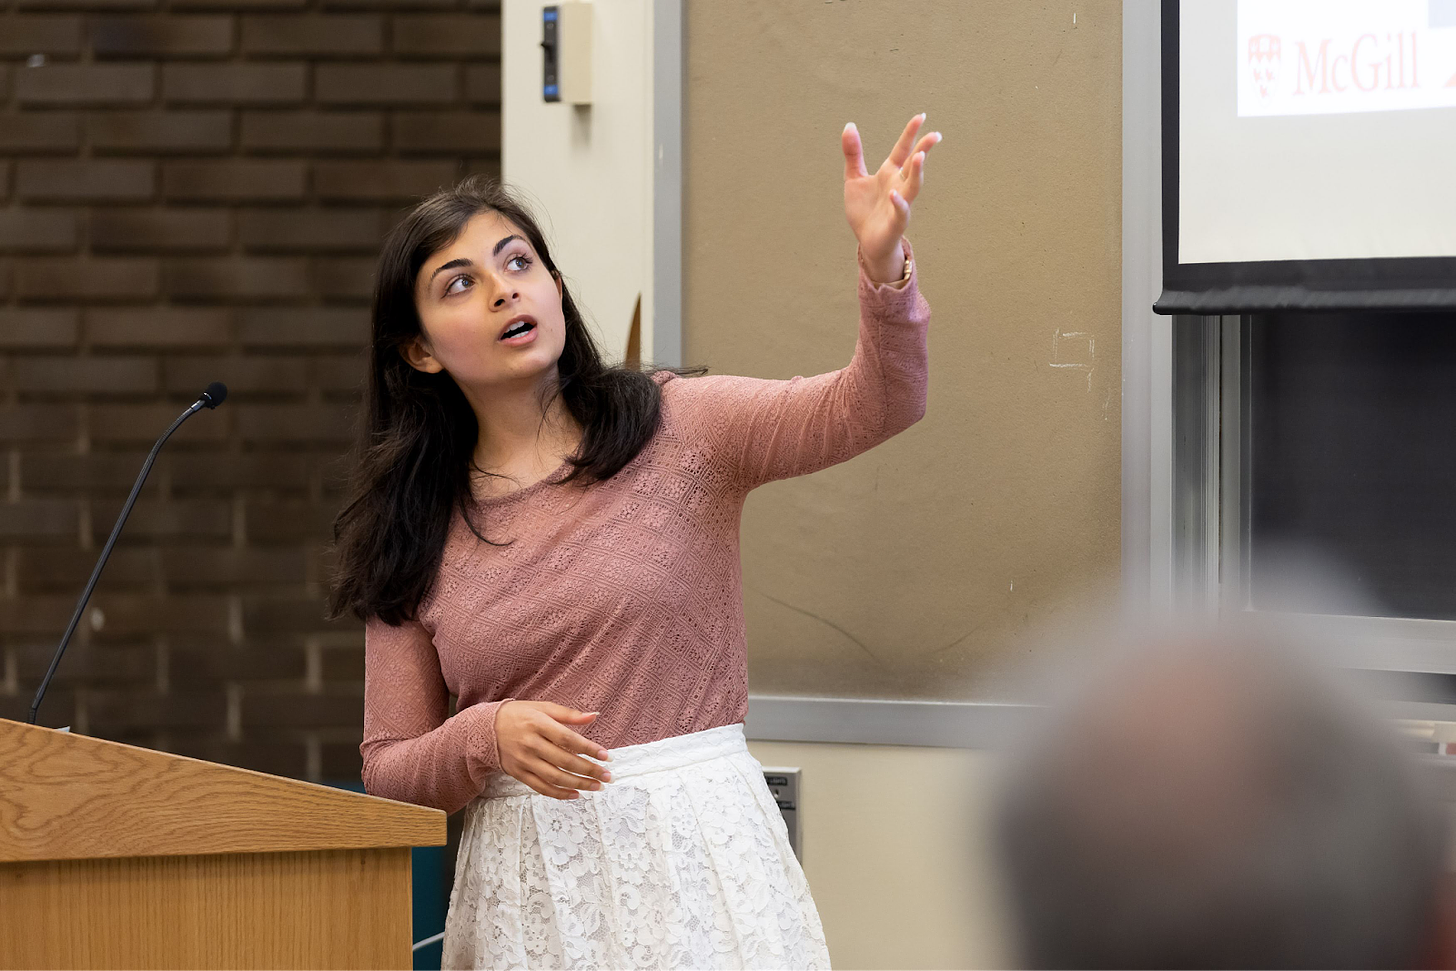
(215, 395)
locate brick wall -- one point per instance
(194, 190)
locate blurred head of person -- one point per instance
(470, 314)
(1215, 802)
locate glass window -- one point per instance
(1349, 428)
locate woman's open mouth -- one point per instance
(519, 332)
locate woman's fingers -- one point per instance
(921, 150)
(568, 741)
(553, 776)
(901, 151)
(922, 147)
(914, 177)
(546, 788)
(563, 759)
(902, 206)
(564, 714)
(854, 167)
(555, 730)
(579, 766)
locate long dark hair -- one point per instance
(414, 460)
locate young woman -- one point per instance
(555, 542)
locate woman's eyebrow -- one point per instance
(459, 261)
(502, 244)
(462, 261)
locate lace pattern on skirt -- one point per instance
(682, 861)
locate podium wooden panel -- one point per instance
(113, 856)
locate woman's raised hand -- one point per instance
(878, 206)
(537, 748)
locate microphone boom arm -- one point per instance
(210, 398)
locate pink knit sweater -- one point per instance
(623, 596)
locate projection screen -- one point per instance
(1309, 155)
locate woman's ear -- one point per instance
(560, 287)
(417, 355)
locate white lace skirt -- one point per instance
(681, 861)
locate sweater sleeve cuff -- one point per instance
(483, 754)
(898, 295)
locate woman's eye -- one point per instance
(519, 262)
(457, 285)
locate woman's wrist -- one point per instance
(890, 272)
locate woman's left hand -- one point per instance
(878, 206)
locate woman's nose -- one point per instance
(503, 292)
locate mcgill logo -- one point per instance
(1264, 55)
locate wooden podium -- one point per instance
(113, 856)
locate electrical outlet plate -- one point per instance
(784, 784)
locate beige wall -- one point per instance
(895, 847)
(588, 170)
(910, 570)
